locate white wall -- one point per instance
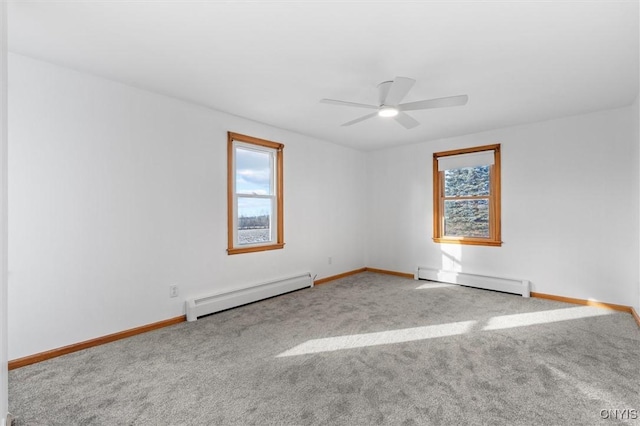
(4, 353)
(568, 218)
(116, 193)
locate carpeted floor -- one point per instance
(364, 350)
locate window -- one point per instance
(254, 195)
(466, 196)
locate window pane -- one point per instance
(466, 181)
(254, 220)
(466, 218)
(253, 171)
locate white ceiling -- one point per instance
(272, 61)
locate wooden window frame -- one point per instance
(233, 248)
(494, 238)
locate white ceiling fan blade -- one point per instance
(345, 103)
(398, 90)
(383, 91)
(449, 101)
(357, 120)
(406, 120)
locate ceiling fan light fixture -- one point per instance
(390, 95)
(386, 111)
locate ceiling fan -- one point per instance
(390, 94)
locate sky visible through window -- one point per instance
(253, 176)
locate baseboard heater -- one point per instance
(506, 285)
(217, 302)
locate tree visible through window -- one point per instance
(467, 196)
(254, 194)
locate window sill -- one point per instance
(468, 241)
(253, 249)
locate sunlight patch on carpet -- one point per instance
(543, 317)
(353, 341)
(380, 338)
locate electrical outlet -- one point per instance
(173, 291)
(330, 260)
